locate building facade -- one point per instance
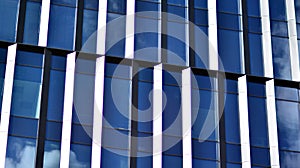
(150, 83)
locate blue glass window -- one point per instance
(279, 28)
(172, 145)
(116, 6)
(32, 22)
(256, 56)
(26, 94)
(114, 158)
(256, 89)
(3, 54)
(203, 82)
(145, 113)
(201, 47)
(231, 6)
(80, 156)
(231, 114)
(176, 10)
(201, 17)
(51, 154)
(29, 58)
(23, 127)
(200, 3)
(115, 138)
(56, 95)
(19, 150)
(297, 10)
(254, 25)
(89, 29)
(171, 78)
(230, 51)
(233, 153)
(65, 2)
(228, 21)
(144, 162)
(116, 104)
(115, 35)
(61, 27)
(289, 159)
(53, 131)
(277, 9)
(142, 6)
(176, 2)
(146, 43)
(286, 93)
(258, 122)
(172, 113)
(232, 86)
(91, 4)
(205, 150)
(81, 134)
(288, 121)
(58, 62)
(253, 8)
(117, 70)
(171, 161)
(281, 58)
(260, 156)
(8, 19)
(176, 45)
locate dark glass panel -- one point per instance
(279, 28)
(65, 2)
(256, 89)
(172, 145)
(116, 6)
(144, 162)
(200, 3)
(231, 114)
(146, 74)
(256, 56)
(115, 138)
(260, 156)
(204, 163)
(80, 156)
(81, 134)
(114, 158)
(228, 21)
(176, 2)
(231, 6)
(201, 17)
(253, 8)
(8, 19)
(172, 161)
(289, 159)
(203, 82)
(171, 78)
(286, 93)
(232, 86)
(29, 58)
(142, 6)
(58, 62)
(32, 23)
(176, 10)
(91, 4)
(117, 70)
(277, 9)
(23, 127)
(233, 153)
(254, 25)
(145, 113)
(89, 31)
(205, 150)
(53, 131)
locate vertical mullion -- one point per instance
(246, 37)
(21, 21)
(6, 101)
(272, 124)
(213, 35)
(221, 105)
(186, 100)
(164, 31)
(134, 116)
(43, 110)
(191, 23)
(67, 111)
(44, 21)
(157, 115)
(79, 25)
(130, 20)
(244, 121)
(266, 39)
(101, 29)
(98, 112)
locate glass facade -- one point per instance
(52, 108)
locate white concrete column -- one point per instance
(266, 38)
(157, 116)
(44, 21)
(213, 35)
(244, 122)
(187, 34)
(130, 20)
(186, 100)
(101, 30)
(98, 112)
(292, 29)
(6, 101)
(272, 124)
(67, 111)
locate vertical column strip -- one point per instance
(272, 124)
(244, 122)
(98, 112)
(187, 34)
(130, 19)
(79, 26)
(245, 37)
(186, 100)
(21, 21)
(213, 35)
(266, 38)
(6, 101)
(44, 21)
(164, 31)
(101, 30)
(67, 111)
(292, 29)
(157, 116)
(191, 28)
(221, 105)
(43, 111)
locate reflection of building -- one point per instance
(58, 112)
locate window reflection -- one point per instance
(8, 19)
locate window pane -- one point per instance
(144, 162)
(51, 154)
(176, 2)
(111, 138)
(288, 121)
(281, 58)
(253, 8)
(29, 58)
(277, 9)
(89, 28)
(80, 156)
(256, 57)
(23, 127)
(81, 134)
(26, 94)
(231, 114)
(91, 4)
(32, 23)
(53, 131)
(205, 150)
(289, 159)
(231, 6)
(171, 161)
(172, 145)
(61, 27)
(254, 24)
(230, 52)
(65, 2)
(145, 113)
(116, 6)
(204, 163)
(176, 47)
(233, 153)
(260, 156)
(20, 151)
(200, 3)
(228, 21)
(8, 18)
(286, 93)
(114, 158)
(256, 89)
(279, 29)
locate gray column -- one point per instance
(67, 111)
(6, 101)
